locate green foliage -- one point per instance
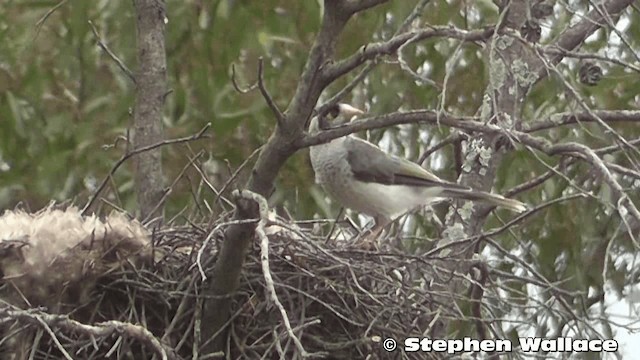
(64, 101)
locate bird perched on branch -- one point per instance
(364, 178)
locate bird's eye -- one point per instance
(333, 112)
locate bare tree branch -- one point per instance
(235, 83)
(452, 138)
(468, 123)
(396, 118)
(111, 54)
(322, 109)
(405, 66)
(540, 179)
(389, 47)
(44, 17)
(116, 166)
(101, 330)
(415, 13)
(582, 103)
(579, 55)
(575, 35)
(562, 119)
(280, 118)
(267, 97)
(623, 170)
(583, 151)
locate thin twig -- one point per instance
(126, 156)
(46, 16)
(54, 338)
(100, 330)
(406, 24)
(111, 54)
(568, 118)
(235, 83)
(405, 66)
(280, 118)
(452, 138)
(322, 109)
(233, 177)
(374, 50)
(168, 190)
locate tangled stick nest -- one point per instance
(340, 302)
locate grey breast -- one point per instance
(331, 168)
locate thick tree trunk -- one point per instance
(151, 89)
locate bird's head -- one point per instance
(336, 115)
(342, 113)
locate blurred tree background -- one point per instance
(65, 106)
(65, 102)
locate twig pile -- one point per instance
(312, 296)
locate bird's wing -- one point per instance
(370, 164)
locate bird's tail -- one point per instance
(494, 199)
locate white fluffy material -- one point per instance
(46, 253)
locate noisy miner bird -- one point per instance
(364, 178)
